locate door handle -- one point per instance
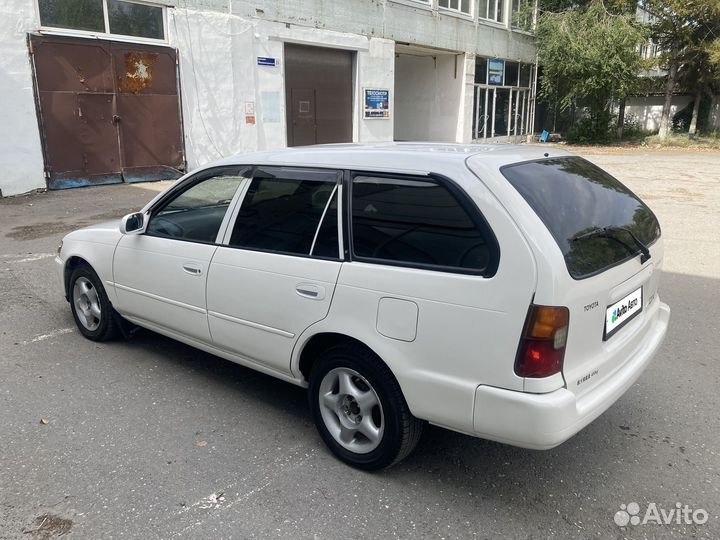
(310, 290)
(192, 269)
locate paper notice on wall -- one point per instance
(270, 106)
(250, 119)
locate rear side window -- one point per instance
(289, 216)
(419, 222)
(573, 197)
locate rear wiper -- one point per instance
(610, 232)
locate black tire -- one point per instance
(108, 325)
(401, 431)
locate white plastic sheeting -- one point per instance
(21, 161)
(216, 79)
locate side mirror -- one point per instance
(133, 223)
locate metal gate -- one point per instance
(108, 111)
(318, 95)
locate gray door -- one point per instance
(318, 95)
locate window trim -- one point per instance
(340, 174)
(460, 196)
(74, 32)
(175, 191)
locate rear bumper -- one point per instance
(542, 421)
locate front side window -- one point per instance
(196, 213)
(296, 216)
(124, 18)
(418, 222)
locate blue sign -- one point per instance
(377, 103)
(266, 61)
(496, 70)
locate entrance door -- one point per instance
(318, 95)
(109, 112)
(303, 116)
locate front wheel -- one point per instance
(94, 315)
(359, 409)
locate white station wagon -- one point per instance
(506, 292)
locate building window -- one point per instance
(521, 14)
(124, 18)
(493, 10)
(462, 6)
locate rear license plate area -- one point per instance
(622, 312)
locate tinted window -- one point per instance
(414, 221)
(196, 213)
(131, 19)
(283, 215)
(572, 197)
(77, 14)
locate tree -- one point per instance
(589, 57)
(685, 31)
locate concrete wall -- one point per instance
(428, 92)
(218, 42)
(648, 110)
(404, 21)
(219, 75)
(21, 160)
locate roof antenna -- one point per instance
(546, 154)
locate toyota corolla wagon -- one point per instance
(506, 292)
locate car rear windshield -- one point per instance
(573, 197)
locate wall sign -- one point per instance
(376, 103)
(496, 71)
(266, 61)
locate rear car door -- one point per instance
(160, 275)
(275, 274)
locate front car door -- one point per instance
(160, 275)
(276, 272)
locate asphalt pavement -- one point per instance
(149, 438)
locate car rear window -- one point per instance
(573, 197)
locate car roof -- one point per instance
(420, 157)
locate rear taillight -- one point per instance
(542, 347)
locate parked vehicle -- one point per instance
(506, 292)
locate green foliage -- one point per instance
(589, 57)
(681, 119)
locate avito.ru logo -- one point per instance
(630, 515)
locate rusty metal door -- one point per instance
(148, 112)
(323, 77)
(108, 112)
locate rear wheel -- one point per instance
(94, 315)
(359, 409)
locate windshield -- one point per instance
(573, 197)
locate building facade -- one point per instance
(103, 91)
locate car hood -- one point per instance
(107, 232)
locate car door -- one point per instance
(276, 272)
(160, 275)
